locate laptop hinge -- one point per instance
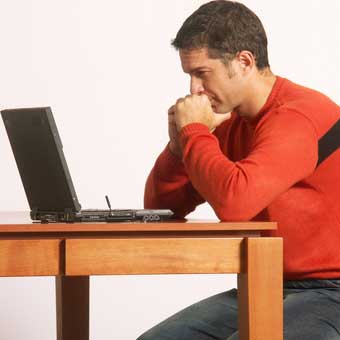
(68, 215)
(34, 213)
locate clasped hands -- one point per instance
(191, 109)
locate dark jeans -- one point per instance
(311, 312)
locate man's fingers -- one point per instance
(179, 100)
(205, 98)
(171, 110)
(171, 119)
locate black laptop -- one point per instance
(39, 155)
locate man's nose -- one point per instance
(196, 86)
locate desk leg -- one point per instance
(72, 293)
(260, 291)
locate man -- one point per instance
(274, 157)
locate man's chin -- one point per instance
(221, 110)
(216, 110)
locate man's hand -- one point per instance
(197, 109)
(173, 133)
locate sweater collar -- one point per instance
(270, 102)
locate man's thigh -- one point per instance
(211, 318)
(312, 314)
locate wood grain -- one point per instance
(138, 227)
(73, 306)
(260, 290)
(176, 247)
(152, 256)
(29, 257)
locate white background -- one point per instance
(109, 73)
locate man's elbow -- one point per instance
(233, 214)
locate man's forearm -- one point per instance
(169, 187)
(240, 190)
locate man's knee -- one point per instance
(167, 330)
(146, 336)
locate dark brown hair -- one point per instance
(225, 28)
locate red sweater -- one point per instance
(283, 167)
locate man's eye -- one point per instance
(201, 74)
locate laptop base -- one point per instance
(94, 215)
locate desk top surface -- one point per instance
(12, 222)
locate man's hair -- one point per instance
(225, 28)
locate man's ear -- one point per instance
(246, 61)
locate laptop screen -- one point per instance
(38, 152)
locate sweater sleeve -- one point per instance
(284, 151)
(168, 186)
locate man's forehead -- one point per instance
(194, 58)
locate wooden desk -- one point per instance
(73, 252)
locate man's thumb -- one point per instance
(221, 117)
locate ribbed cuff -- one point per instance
(192, 129)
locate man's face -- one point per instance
(222, 84)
